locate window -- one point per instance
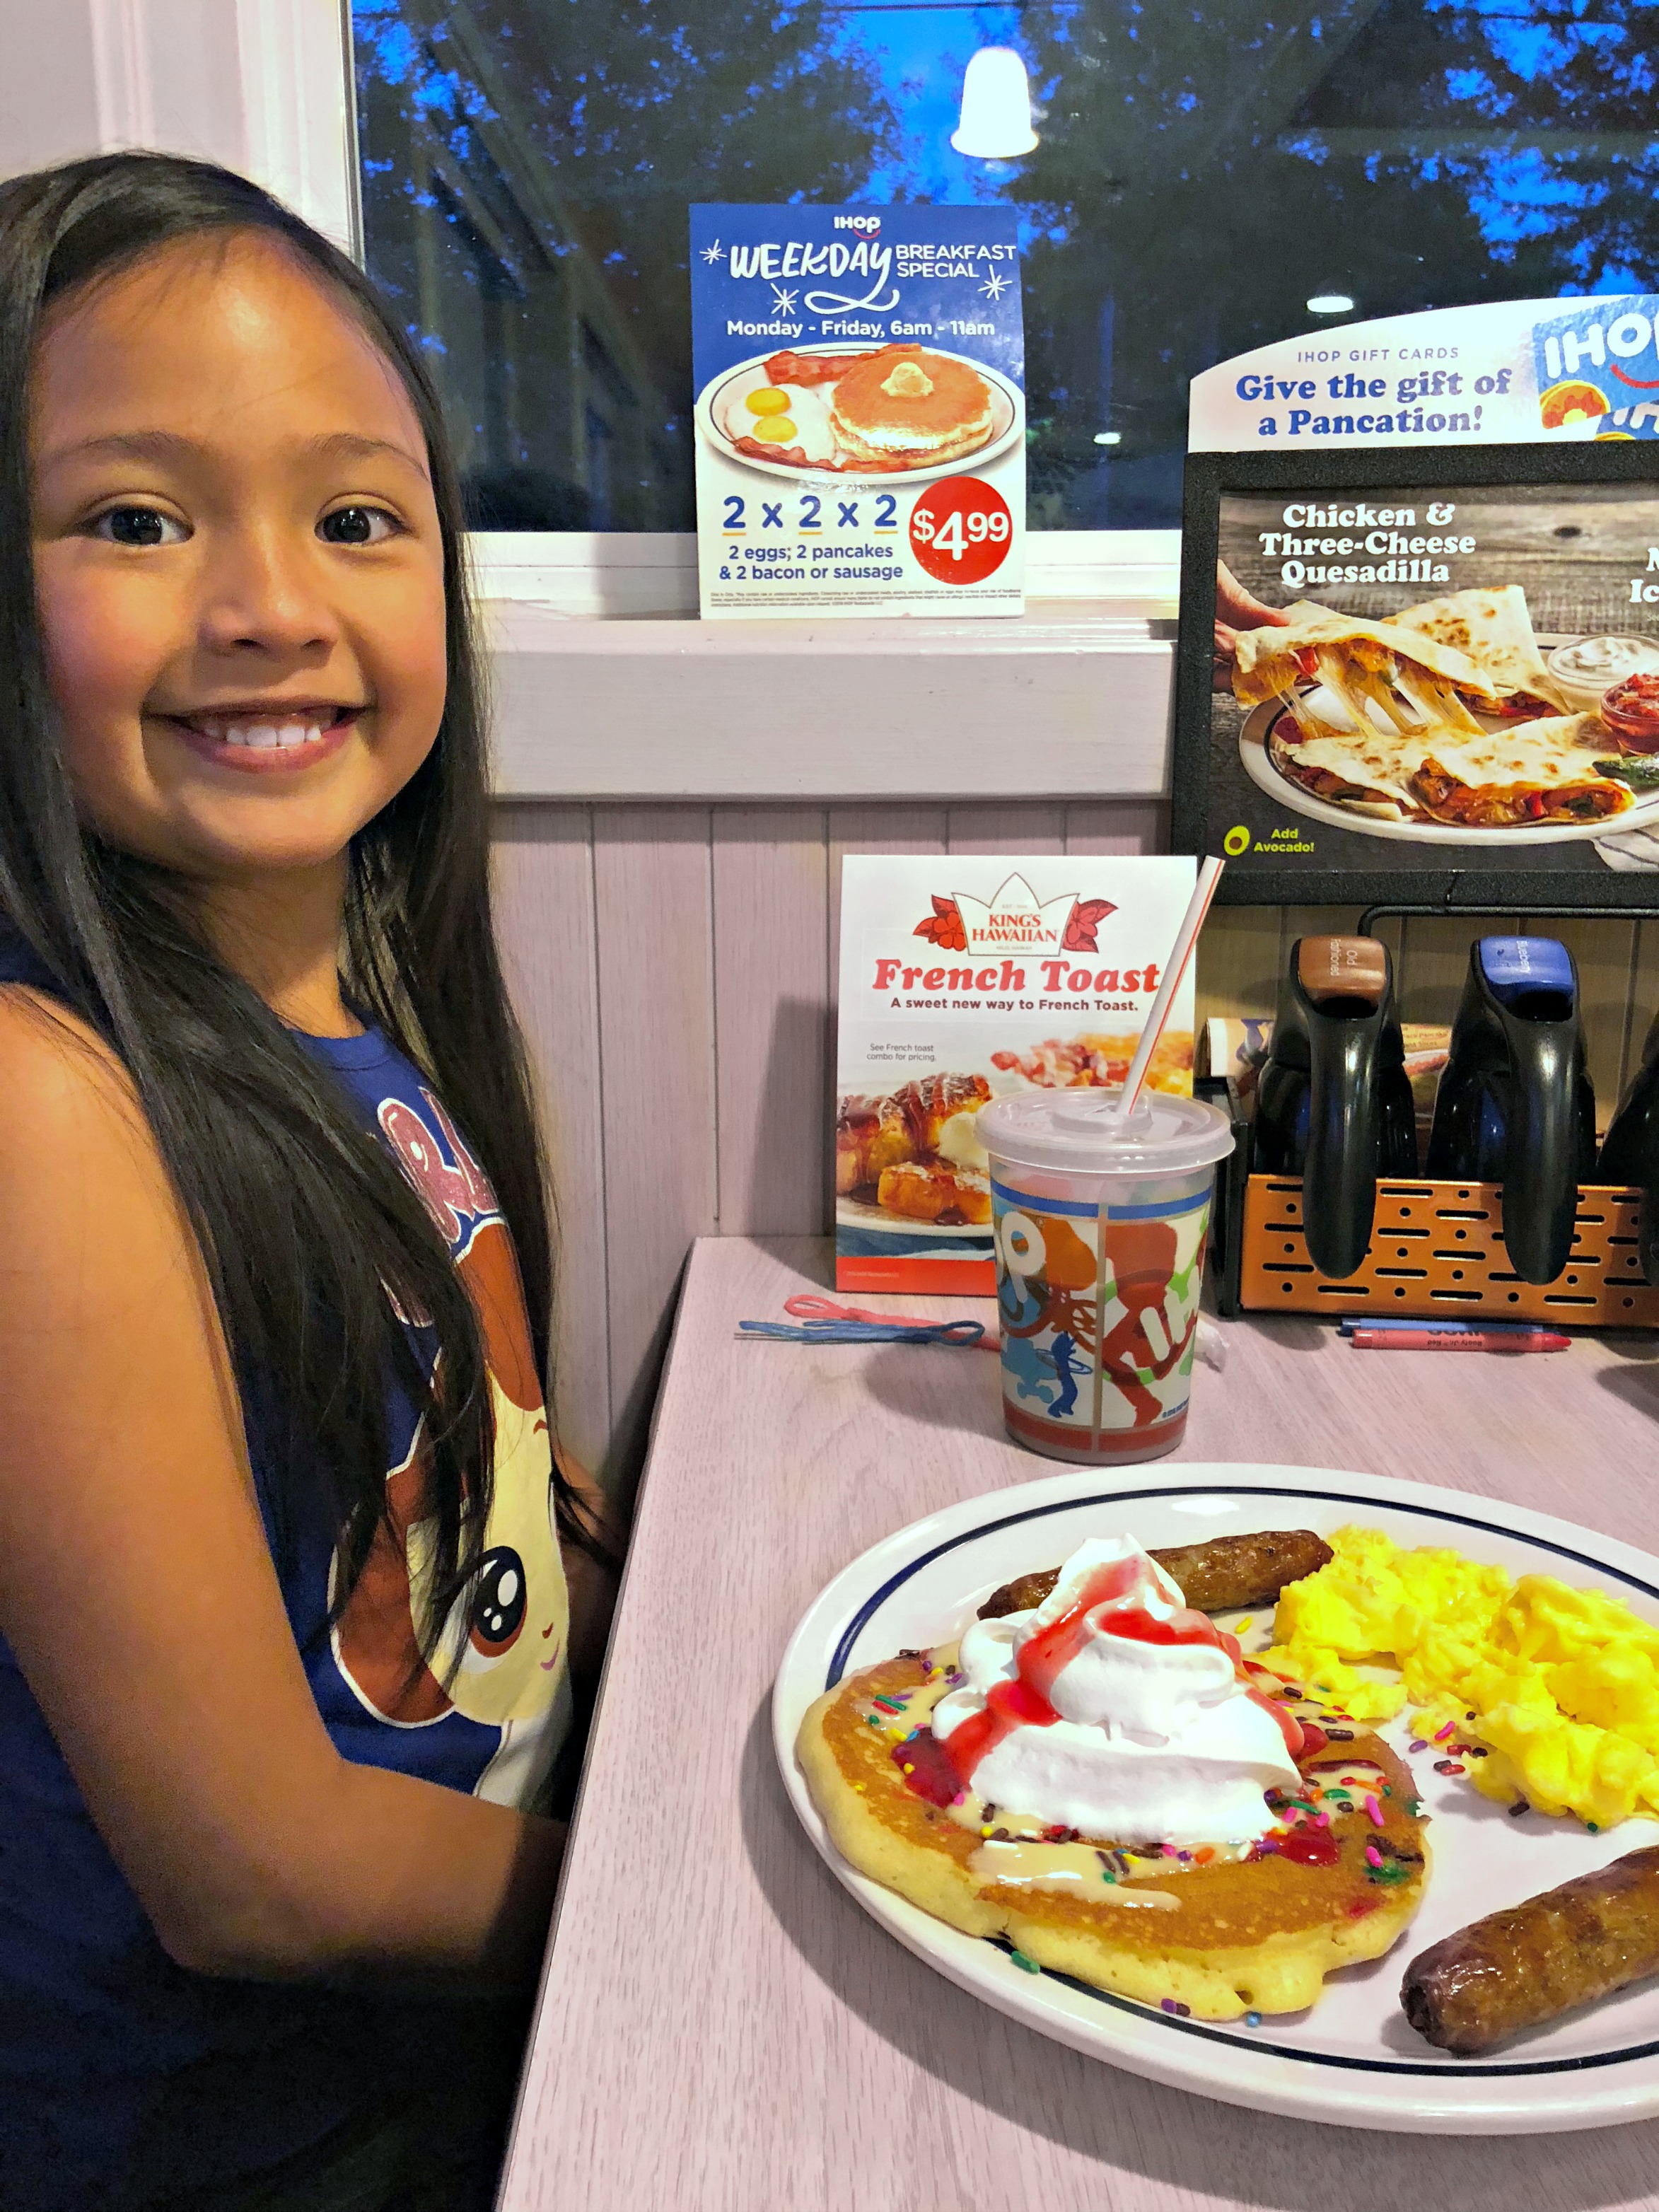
(1201, 176)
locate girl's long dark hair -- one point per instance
(304, 1223)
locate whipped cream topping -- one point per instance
(1115, 1709)
(958, 1142)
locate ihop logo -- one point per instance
(1598, 369)
(866, 225)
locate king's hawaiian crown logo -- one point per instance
(1014, 918)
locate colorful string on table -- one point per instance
(820, 1320)
(868, 1332)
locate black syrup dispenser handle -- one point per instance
(1334, 1104)
(1514, 1104)
(1630, 1150)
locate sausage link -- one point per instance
(1238, 1571)
(1024, 1594)
(1520, 1967)
(1214, 1577)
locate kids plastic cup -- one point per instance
(1099, 1226)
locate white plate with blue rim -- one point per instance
(1352, 2059)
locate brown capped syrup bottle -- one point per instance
(1334, 1103)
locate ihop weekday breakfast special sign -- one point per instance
(861, 411)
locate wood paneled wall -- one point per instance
(674, 969)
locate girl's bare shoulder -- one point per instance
(51, 1060)
(50, 1054)
(74, 1146)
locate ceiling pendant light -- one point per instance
(996, 107)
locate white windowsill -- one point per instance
(607, 688)
(629, 575)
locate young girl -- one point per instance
(286, 1643)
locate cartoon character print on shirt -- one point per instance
(500, 1657)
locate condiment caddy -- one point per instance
(1514, 1117)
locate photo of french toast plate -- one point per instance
(819, 459)
(1351, 2059)
(854, 1213)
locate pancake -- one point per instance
(1240, 1934)
(907, 404)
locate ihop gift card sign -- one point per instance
(1509, 371)
(861, 411)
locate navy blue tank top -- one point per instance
(124, 2075)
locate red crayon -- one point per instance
(1429, 1340)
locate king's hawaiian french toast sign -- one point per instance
(861, 412)
(965, 977)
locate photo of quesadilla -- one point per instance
(1535, 772)
(1408, 678)
(1493, 629)
(1376, 672)
(1444, 716)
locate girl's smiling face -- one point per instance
(238, 562)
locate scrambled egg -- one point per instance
(1558, 1688)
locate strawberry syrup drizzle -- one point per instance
(1026, 1702)
(1043, 1657)
(927, 1771)
(1303, 1847)
(1008, 1705)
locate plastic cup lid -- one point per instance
(1083, 1132)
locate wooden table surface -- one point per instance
(722, 2028)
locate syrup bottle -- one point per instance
(1630, 1150)
(1514, 1105)
(1334, 1103)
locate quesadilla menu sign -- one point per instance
(861, 412)
(1412, 654)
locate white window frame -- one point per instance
(1071, 701)
(263, 86)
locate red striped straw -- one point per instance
(1209, 875)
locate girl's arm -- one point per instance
(139, 1596)
(592, 1583)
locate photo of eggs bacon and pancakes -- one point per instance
(1320, 1793)
(900, 409)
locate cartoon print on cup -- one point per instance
(1098, 1317)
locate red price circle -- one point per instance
(960, 531)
